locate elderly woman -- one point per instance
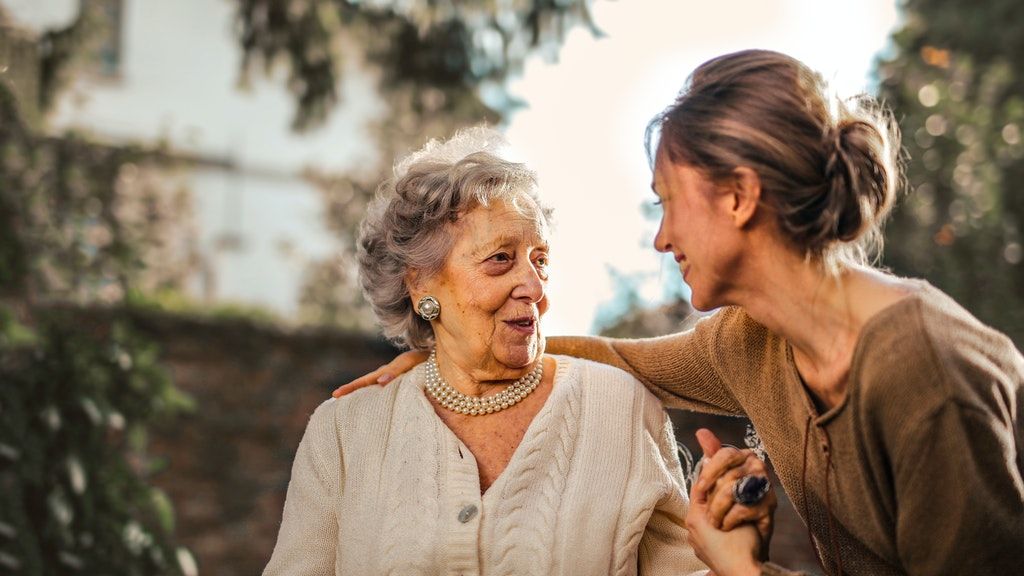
(490, 457)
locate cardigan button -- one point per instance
(467, 513)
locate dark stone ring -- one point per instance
(750, 490)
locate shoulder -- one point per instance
(581, 373)
(363, 411)
(742, 348)
(612, 394)
(742, 336)
(375, 398)
(928, 348)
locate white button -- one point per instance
(467, 513)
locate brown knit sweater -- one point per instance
(926, 450)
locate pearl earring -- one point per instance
(428, 308)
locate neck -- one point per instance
(819, 314)
(478, 378)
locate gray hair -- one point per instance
(409, 225)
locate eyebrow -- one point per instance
(505, 241)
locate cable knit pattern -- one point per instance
(391, 490)
(525, 529)
(412, 484)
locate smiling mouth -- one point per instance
(525, 325)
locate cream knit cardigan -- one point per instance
(381, 486)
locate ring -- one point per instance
(750, 489)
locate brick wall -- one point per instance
(226, 465)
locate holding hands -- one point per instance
(730, 537)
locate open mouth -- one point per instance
(524, 324)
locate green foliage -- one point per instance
(448, 49)
(74, 401)
(957, 86)
(58, 50)
(60, 232)
(177, 302)
(73, 496)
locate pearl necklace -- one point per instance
(447, 396)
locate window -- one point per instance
(105, 47)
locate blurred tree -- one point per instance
(75, 228)
(434, 62)
(956, 83)
(440, 51)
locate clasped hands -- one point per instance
(731, 538)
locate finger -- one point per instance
(755, 465)
(752, 466)
(362, 382)
(405, 362)
(740, 514)
(709, 443)
(386, 373)
(765, 527)
(696, 523)
(696, 519)
(697, 497)
(721, 499)
(724, 460)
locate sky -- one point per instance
(584, 124)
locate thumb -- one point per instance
(709, 443)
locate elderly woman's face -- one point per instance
(492, 288)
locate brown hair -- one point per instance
(829, 173)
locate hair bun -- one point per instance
(859, 184)
(828, 168)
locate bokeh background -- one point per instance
(180, 185)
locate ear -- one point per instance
(413, 284)
(744, 196)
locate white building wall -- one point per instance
(178, 84)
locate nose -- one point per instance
(531, 283)
(661, 243)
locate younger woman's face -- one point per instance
(697, 230)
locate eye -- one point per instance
(541, 263)
(501, 257)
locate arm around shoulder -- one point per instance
(678, 368)
(308, 537)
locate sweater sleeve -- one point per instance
(307, 541)
(770, 569)
(664, 548)
(679, 368)
(960, 496)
